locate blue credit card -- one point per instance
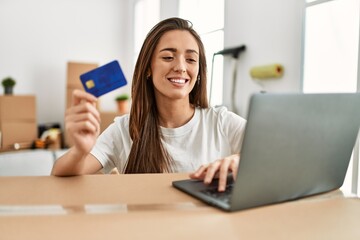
(103, 79)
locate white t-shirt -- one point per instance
(212, 133)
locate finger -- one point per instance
(223, 172)
(85, 107)
(82, 113)
(82, 127)
(211, 171)
(82, 116)
(234, 165)
(200, 173)
(78, 96)
(85, 117)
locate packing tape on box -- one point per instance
(267, 71)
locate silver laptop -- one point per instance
(295, 145)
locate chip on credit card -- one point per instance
(103, 79)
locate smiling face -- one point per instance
(175, 66)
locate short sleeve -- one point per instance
(113, 145)
(233, 126)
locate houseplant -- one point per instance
(122, 103)
(8, 84)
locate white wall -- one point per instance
(271, 31)
(169, 8)
(38, 38)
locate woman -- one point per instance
(170, 127)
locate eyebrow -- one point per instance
(175, 50)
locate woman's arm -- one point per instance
(82, 121)
(74, 163)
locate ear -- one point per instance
(148, 73)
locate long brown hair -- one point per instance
(148, 154)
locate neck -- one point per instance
(175, 114)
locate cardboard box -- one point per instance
(106, 119)
(17, 107)
(17, 121)
(74, 70)
(23, 133)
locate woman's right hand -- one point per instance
(82, 121)
(218, 169)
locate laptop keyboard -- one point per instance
(222, 196)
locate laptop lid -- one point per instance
(295, 145)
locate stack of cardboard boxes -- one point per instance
(18, 124)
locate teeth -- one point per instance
(177, 80)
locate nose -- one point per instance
(180, 65)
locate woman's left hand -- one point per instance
(220, 168)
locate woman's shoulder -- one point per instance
(122, 118)
(222, 117)
(219, 112)
(121, 122)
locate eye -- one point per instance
(191, 58)
(167, 58)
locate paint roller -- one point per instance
(267, 71)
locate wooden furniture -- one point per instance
(146, 206)
(18, 123)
